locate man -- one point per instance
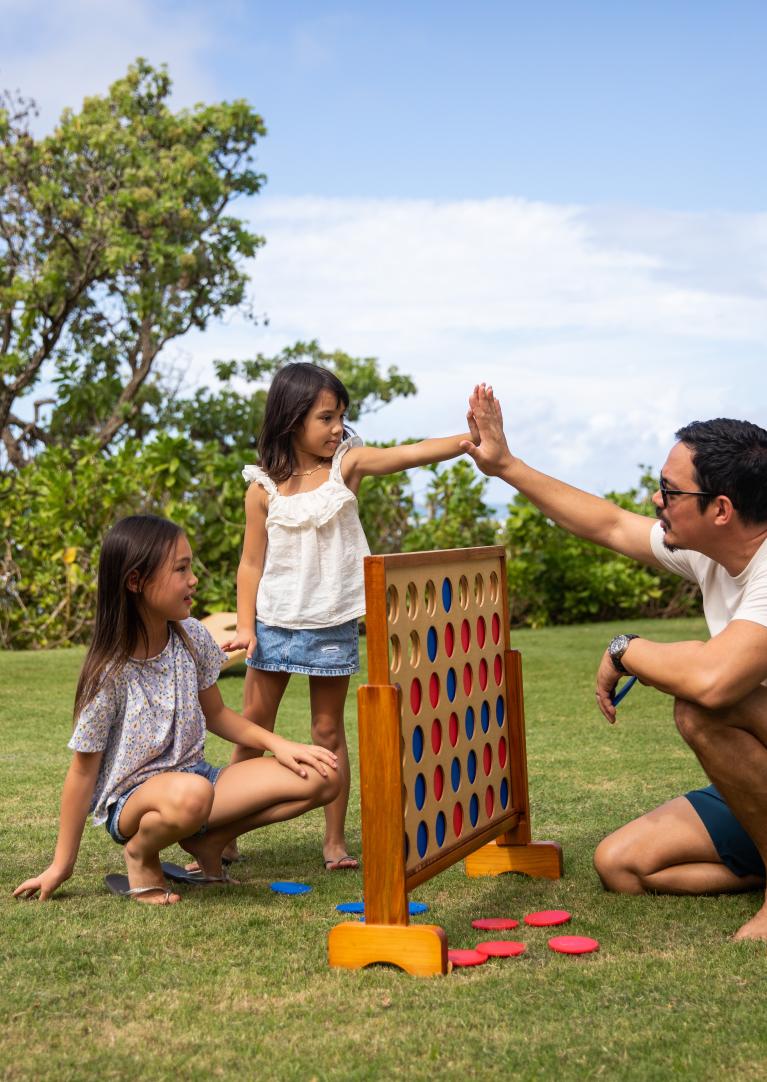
(712, 529)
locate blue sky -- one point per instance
(565, 198)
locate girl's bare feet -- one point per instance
(208, 858)
(144, 872)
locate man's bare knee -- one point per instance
(613, 865)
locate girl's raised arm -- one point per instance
(362, 462)
(76, 797)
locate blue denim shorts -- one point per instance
(205, 770)
(735, 848)
(320, 651)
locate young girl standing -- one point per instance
(300, 583)
(146, 694)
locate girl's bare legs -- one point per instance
(255, 793)
(261, 701)
(328, 695)
(162, 811)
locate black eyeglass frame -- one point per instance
(665, 492)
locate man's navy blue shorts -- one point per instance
(735, 848)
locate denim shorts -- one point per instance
(320, 651)
(735, 848)
(205, 770)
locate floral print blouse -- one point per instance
(148, 719)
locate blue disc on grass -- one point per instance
(351, 907)
(290, 888)
(413, 908)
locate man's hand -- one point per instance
(489, 449)
(607, 681)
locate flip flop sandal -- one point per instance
(181, 875)
(344, 863)
(119, 884)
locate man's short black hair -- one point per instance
(730, 459)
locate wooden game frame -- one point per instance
(502, 844)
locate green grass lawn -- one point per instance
(234, 982)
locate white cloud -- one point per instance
(81, 47)
(603, 332)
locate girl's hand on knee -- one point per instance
(297, 757)
(46, 883)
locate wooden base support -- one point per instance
(539, 859)
(419, 949)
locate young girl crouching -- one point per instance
(146, 695)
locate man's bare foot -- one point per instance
(756, 928)
(208, 858)
(148, 873)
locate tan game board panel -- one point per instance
(447, 630)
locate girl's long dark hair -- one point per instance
(292, 394)
(136, 545)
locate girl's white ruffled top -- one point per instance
(313, 569)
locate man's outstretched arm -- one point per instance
(579, 512)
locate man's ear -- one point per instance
(134, 582)
(724, 511)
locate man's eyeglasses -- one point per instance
(665, 492)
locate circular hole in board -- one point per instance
(447, 594)
(436, 736)
(416, 695)
(430, 597)
(479, 589)
(392, 604)
(434, 689)
(411, 600)
(494, 590)
(432, 643)
(452, 729)
(395, 654)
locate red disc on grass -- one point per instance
(547, 917)
(466, 958)
(494, 924)
(573, 944)
(501, 948)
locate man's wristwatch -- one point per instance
(617, 649)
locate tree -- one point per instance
(233, 419)
(457, 515)
(114, 240)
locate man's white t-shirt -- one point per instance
(725, 597)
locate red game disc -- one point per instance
(466, 958)
(547, 917)
(573, 944)
(494, 924)
(501, 948)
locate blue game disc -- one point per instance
(414, 908)
(351, 907)
(290, 888)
